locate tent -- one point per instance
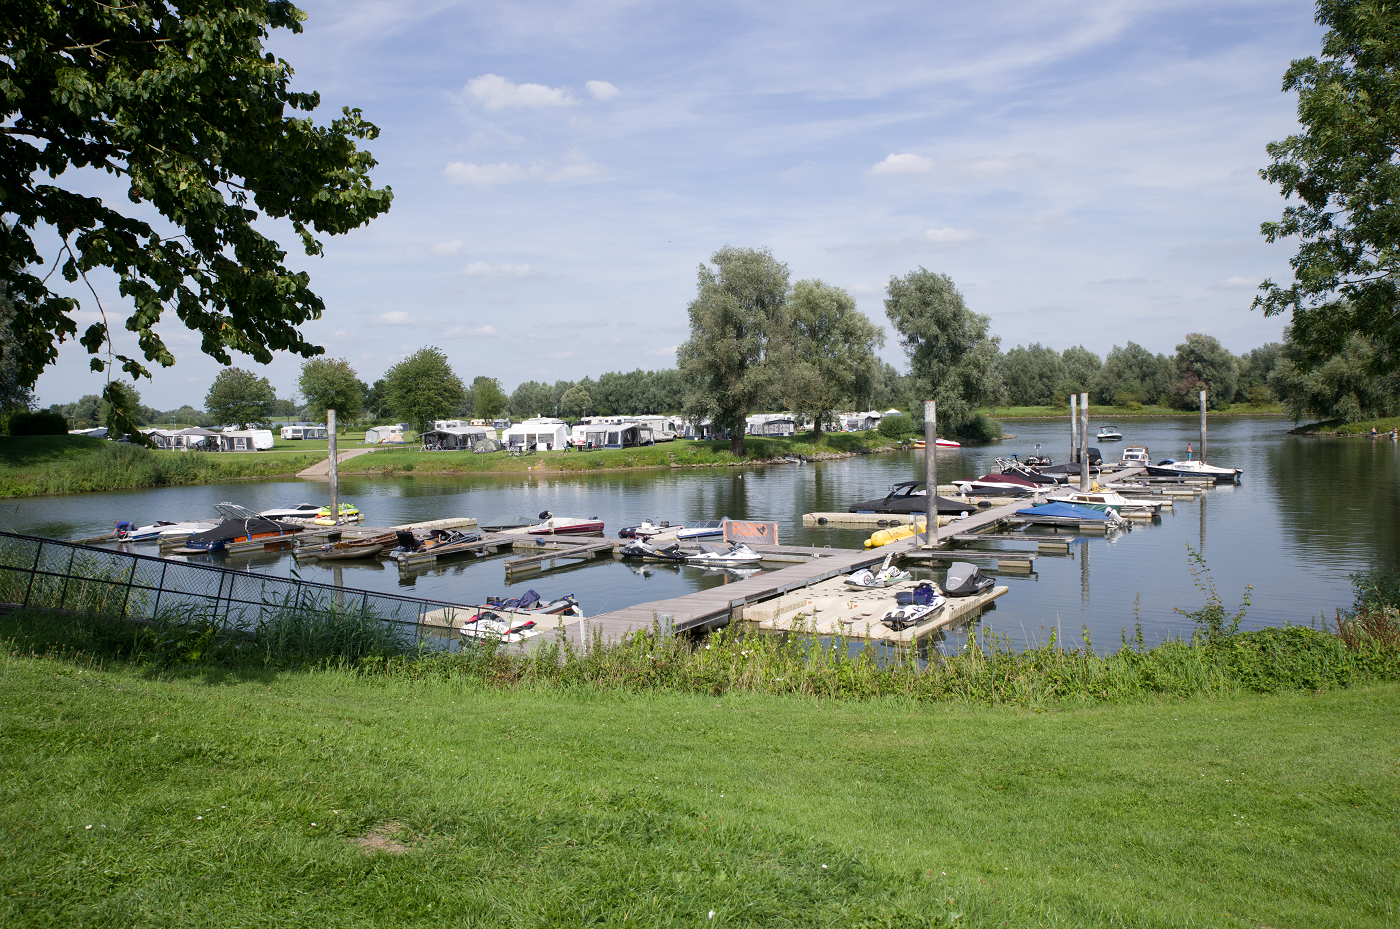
(448, 438)
(384, 435)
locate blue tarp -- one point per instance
(1064, 510)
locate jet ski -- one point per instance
(640, 548)
(737, 554)
(530, 602)
(487, 626)
(965, 580)
(914, 606)
(887, 576)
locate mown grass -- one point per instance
(1135, 411)
(1340, 427)
(61, 464)
(679, 454)
(203, 796)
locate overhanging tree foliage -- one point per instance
(179, 102)
(1344, 171)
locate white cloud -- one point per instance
(950, 236)
(667, 351)
(395, 318)
(465, 172)
(481, 332)
(602, 90)
(1234, 283)
(906, 163)
(448, 248)
(494, 92)
(485, 269)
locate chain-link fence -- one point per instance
(36, 572)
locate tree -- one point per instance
(737, 330)
(423, 387)
(182, 104)
(120, 405)
(487, 396)
(833, 351)
(531, 399)
(240, 397)
(331, 384)
(1031, 374)
(1344, 172)
(14, 393)
(575, 402)
(1081, 367)
(1255, 368)
(1132, 374)
(951, 355)
(376, 401)
(1340, 388)
(1202, 362)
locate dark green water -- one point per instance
(1307, 513)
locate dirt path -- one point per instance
(321, 470)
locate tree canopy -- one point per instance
(331, 384)
(1032, 374)
(833, 354)
(238, 397)
(1203, 363)
(423, 387)
(1341, 387)
(1343, 170)
(487, 397)
(180, 103)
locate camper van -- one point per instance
(303, 431)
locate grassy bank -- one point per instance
(1338, 427)
(1133, 411)
(63, 464)
(335, 798)
(679, 454)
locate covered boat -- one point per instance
(239, 525)
(566, 525)
(910, 497)
(1068, 514)
(999, 485)
(965, 580)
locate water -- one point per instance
(1307, 512)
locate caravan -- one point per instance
(245, 440)
(303, 431)
(539, 433)
(451, 438)
(385, 435)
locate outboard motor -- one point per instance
(965, 580)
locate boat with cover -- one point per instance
(1100, 499)
(887, 576)
(500, 523)
(645, 550)
(1068, 514)
(349, 549)
(438, 542)
(238, 525)
(914, 606)
(1109, 434)
(566, 525)
(737, 554)
(1170, 467)
(911, 497)
(706, 528)
(965, 580)
(999, 485)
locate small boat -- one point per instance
(348, 549)
(299, 511)
(965, 580)
(1170, 467)
(438, 542)
(566, 525)
(911, 497)
(737, 554)
(645, 550)
(645, 530)
(500, 523)
(1108, 500)
(1135, 455)
(1068, 514)
(998, 485)
(239, 525)
(1023, 469)
(160, 529)
(1109, 434)
(490, 627)
(706, 528)
(938, 443)
(887, 576)
(914, 606)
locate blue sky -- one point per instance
(1085, 171)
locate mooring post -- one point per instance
(1073, 428)
(1084, 441)
(931, 470)
(335, 477)
(1203, 427)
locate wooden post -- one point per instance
(335, 477)
(931, 469)
(1203, 427)
(1073, 428)
(1084, 441)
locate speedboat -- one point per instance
(437, 542)
(239, 525)
(1170, 467)
(887, 576)
(965, 580)
(1068, 514)
(645, 550)
(938, 443)
(566, 525)
(300, 511)
(998, 485)
(910, 497)
(737, 554)
(1109, 434)
(1023, 469)
(160, 529)
(705, 529)
(1108, 500)
(1135, 455)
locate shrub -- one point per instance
(43, 422)
(896, 427)
(978, 428)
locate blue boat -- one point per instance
(1067, 514)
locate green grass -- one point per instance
(208, 797)
(1127, 412)
(1338, 427)
(57, 464)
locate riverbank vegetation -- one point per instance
(65, 464)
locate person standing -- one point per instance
(1188, 451)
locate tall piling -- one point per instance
(1084, 441)
(1073, 428)
(931, 469)
(1203, 427)
(335, 477)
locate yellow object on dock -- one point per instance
(886, 536)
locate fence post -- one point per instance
(38, 553)
(62, 594)
(160, 589)
(130, 579)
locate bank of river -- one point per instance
(1308, 512)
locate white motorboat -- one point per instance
(738, 554)
(160, 529)
(706, 528)
(1135, 455)
(300, 511)
(1170, 467)
(1108, 500)
(1109, 434)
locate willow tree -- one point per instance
(738, 336)
(833, 351)
(180, 104)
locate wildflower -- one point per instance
(712, 912)
(201, 817)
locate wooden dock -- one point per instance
(558, 548)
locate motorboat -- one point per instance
(501, 523)
(737, 554)
(705, 529)
(160, 529)
(1109, 434)
(938, 443)
(645, 550)
(998, 485)
(914, 606)
(965, 580)
(1069, 514)
(437, 542)
(239, 525)
(645, 530)
(887, 576)
(1170, 467)
(1014, 466)
(1135, 456)
(1101, 499)
(911, 497)
(566, 525)
(300, 511)
(349, 549)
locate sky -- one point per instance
(1086, 172)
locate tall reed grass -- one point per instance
(119, 466)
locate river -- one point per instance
(1307, 512)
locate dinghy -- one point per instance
(348, 549)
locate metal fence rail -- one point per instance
(38, 572)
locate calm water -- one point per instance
(1307, 513)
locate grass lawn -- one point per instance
(131, 798)
(1128, 412)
